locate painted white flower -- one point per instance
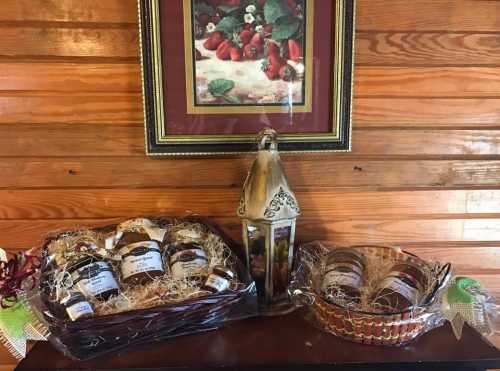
(249, 18)
(210, 27)
(259, 28)
(251, 9)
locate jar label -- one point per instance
(397, 285)
(218, 283)
(78, 310)
(334, 278)
(95, 279)
(147, 259)
(195, 267)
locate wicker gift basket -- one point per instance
(91, 337)
(358, 324)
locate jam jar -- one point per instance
(402, 288)
(76, 306)
(94, 278)
(344, 275)
(187, 260)
(141, 258)
(219, 279)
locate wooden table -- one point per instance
(282, 343)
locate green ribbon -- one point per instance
(14, 319)
(458, 294)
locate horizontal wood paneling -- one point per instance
(70, 77)
(93, 11)
(325, 204)
(429, 48)
(69, 42)
(53, 109)
(373, 48)
(425, 15)
(426, 112)
(370, 81)
(128, 140)
(428, 82)
(368, 112)
(442, 15)
(29, 173)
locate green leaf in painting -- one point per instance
(228, 9)
(285, 27)
(220, 86)
(228, 25)
(203, 8)
(232, 100)
(275, 9)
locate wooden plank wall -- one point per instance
(424, 172)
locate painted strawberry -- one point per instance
(272, 66)
(287, 73)
(224, 50)
(268, 29)
(251, 52)
(236, 54)
(271, 48)
(272, 70)
(204, 19)
(213, 42)
(257, 42)
(262, 2)
(198, 55)
(294, 50)
(276, 60)
(246, 36)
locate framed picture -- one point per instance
(216, 72)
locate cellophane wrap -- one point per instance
(359, 324)
(166, 316)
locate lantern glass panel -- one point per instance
(281, 268)
(257, 255)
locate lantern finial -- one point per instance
(266, 195)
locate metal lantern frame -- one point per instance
(269, 209)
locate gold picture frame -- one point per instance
(160, 142)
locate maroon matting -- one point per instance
(178, 122)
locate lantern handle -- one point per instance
(268, 136)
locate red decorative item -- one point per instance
(12, 275)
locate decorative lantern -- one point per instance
(269, 209)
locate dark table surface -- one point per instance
(282, 343)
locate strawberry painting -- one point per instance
(249, 52)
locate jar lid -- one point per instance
(147, 245)
(356, 254)
(89, 259)
(72, 298)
